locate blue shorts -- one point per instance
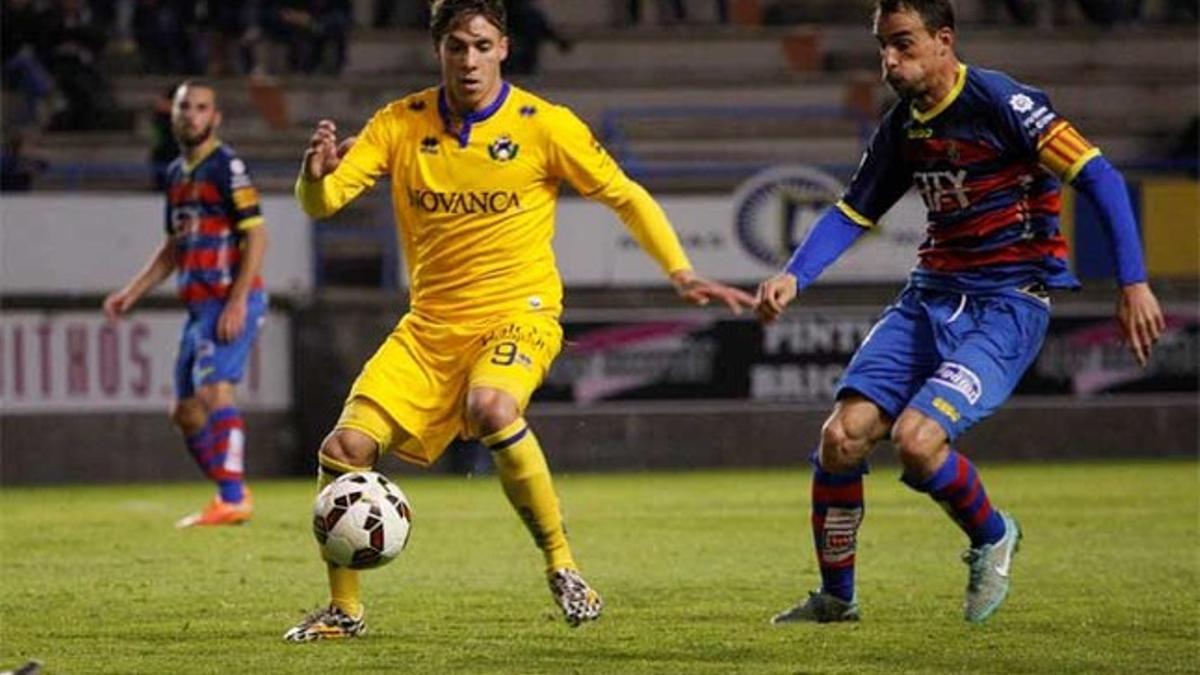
(953, 357)
(203, 359)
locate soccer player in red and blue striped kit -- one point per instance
(989, 156)
(215, 243)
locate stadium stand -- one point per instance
(721, 98)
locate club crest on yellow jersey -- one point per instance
(503, 149)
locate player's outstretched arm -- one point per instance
(774, 295)
(326, 183)
(322, 156)
(1140, 320)
(158, 267)
(1139, 317)
(700, 291)
(830, 237)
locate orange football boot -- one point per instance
(221, 513)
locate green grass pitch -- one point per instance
(95, 580)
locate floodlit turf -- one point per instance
(95, 580)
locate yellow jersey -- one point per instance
(475, 208)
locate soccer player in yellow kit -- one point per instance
(475, 166)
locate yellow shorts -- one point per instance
(411, 395)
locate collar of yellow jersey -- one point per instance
(960, 81)
(472, 118)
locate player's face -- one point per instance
(471, 54)
(909, 54)
(194, 115)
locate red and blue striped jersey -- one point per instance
(989, 162)
(210, 206)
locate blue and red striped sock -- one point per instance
(228, 453)
(837, 511)
(957, 488)
(199, 446)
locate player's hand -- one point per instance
(1140, 320)
(700, 291)
(232, 321)
(774, 295)
(324, 152)
(118, 303)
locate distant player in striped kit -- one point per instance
(989, 156)
(215, 242)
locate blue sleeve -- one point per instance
(830, 237)
(883, 175)
(1103, 187)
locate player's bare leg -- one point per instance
(343, 451)
(932, 467)
(525, 476)
(847, 437)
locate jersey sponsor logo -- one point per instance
(429, 145)
(1039, 119)
(528, 110)
(942, 190)
(185, 221)
(503, 149)
(416, 105)
(456, 203)
(1021, 103)
(919, 133)
(775, 208)
(959, 378)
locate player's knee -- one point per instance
(840, 451)
(917, 439)
(349, 448)
(189, 416)
(490, 410)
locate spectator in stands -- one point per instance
(1183, 11)
(307, 28)
(70, 47)
(163, 146)
(1024, 12)
(167, 37)
(528, 29)
(1104, 13)
(20, 33)
(669, 11)
(411, 14)
(18, 167)
(232, 33)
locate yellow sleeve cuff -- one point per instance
(251, 222)
(1074, 169)
(857, 217)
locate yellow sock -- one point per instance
(344, 588)
(527, 484)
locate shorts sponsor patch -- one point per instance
(959, 378)
(946, 408)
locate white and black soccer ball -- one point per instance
(361, 520)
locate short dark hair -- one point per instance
(195, 83)
(445, 14)
(935, 14)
